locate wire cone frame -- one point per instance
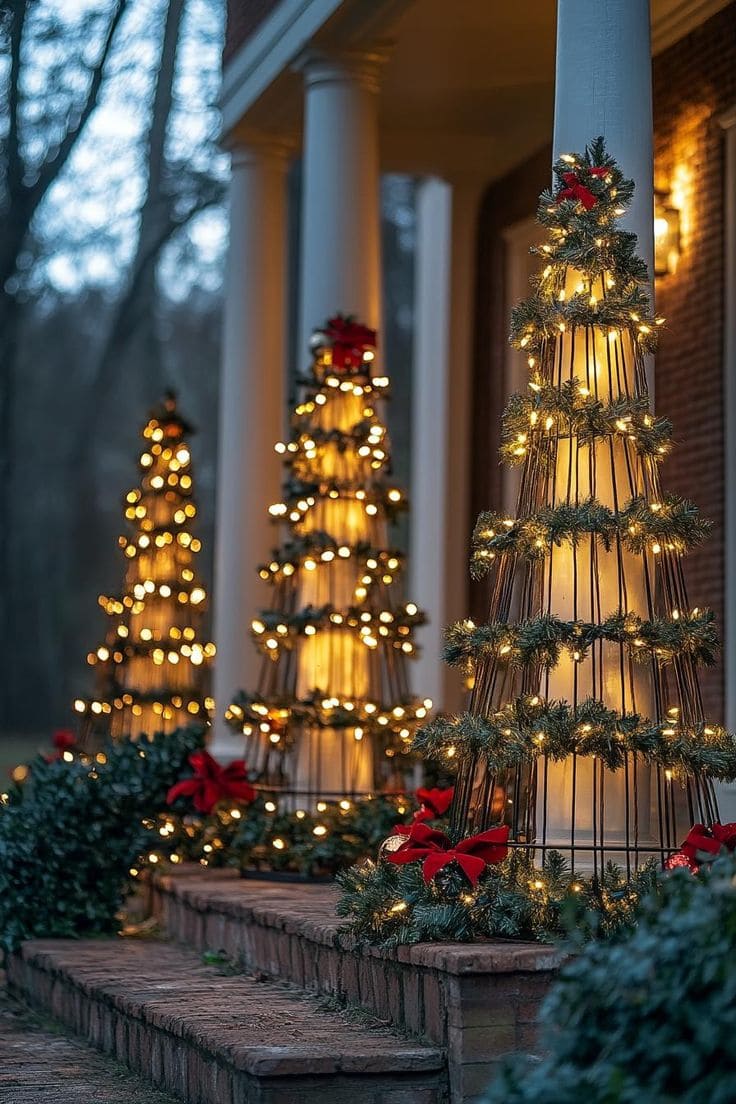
(585, 732)
(332, 717)
(151, 666)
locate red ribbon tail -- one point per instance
(182, 789)
(207, 796)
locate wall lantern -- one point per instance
(666, 234)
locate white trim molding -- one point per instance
(264, 64)
(673, 19)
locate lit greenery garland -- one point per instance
(278, 629)
(570, 409)
(375, 718)
(392, 905)
(263, 838)
(584, 239)
(530, 726)
(540, 640)
(672, 523)
(318, 545)
(315, 843)
(301, 495)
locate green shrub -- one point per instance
(70, 833)
(649, 1015)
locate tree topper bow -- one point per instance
(349, 340)
(574, 189)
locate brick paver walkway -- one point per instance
(38, 1065)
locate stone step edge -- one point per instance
(119, 1024)
(269, 928)
(453, 958)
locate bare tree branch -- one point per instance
(14, 170)
(124, 323)
(53, 166)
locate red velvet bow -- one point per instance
(600, 170)
(577, 191)
(212, 783)
(433, 803)
(63, 740)
(435, 850)
(701, 839)
(349, 341)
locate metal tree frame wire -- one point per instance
(580, 807)
(333, 716)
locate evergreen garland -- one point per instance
(529, 727)
(392, 905)
(539, 641)
(674, 524)
(278, 629)
(571, 410)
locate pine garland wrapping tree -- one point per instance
(332, 717)
(150, 668)
(585, 746)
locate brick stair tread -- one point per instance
(38, 1065)
(308, 910)
(261, 1028)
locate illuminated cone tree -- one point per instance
(586, 731)
(332, 717)
(151, 665)
(584, 748)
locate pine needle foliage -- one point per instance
(70, 834)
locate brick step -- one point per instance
(479, 1000)
(211, 1037)
(38, 1065)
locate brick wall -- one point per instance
(243, 16)
(694, 82)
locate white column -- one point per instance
(340, 263)
(440, 519)
(604, 86)
(251, 416)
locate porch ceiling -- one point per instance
(468, 85)
(468, 88)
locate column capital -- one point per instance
(249, 147)
(362, 67)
